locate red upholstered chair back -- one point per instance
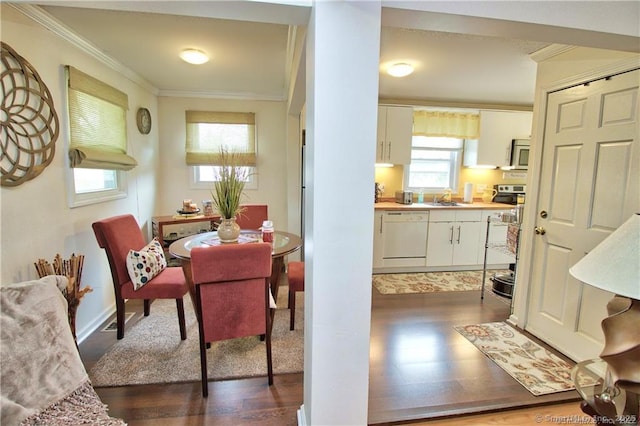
(252, 216)
(117, 235)
(232, 284)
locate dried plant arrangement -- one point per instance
(72, 269)
(229, 185)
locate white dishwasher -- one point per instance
(405, 238)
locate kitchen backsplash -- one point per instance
(392, 178)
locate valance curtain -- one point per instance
(208, 132)
(446, 124)
(97, 118)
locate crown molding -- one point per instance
(214, 94)
(550, 51)
(38, 15)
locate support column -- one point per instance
(343, 46)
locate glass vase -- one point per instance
(229, 230)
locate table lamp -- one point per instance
(614, 266)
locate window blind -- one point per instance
(97, 119)
(208, 132)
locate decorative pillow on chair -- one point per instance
(146, 263)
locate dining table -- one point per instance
(284, 243)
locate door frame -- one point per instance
(522, 291)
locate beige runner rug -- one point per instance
(534, 367)
(152, 352)
(432, 282)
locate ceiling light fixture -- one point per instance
(400, 69)
(194, 56)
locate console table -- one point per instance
(159, 222)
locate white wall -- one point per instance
(36, 220)
(271, 133)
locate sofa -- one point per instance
(43, 380)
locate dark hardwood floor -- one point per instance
(421, 368)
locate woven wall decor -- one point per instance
(28, 121)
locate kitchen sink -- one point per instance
(445, 203)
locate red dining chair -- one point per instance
(296, 283)
(117, 236)
(252, 216)
(232, 296)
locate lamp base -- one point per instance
(622, 342)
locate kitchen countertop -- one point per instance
(476, 205)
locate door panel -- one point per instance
(563, 202)
(608, 205)
(588, 186)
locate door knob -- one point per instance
(540, 230)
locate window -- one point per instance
(208, 132)
(97, 141)
(435, 163)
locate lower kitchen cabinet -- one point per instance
(454, 237)
(436, 240)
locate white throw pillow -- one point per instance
(146, 263)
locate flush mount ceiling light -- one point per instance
(400, 69)
(194, 56)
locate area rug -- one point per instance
(432, 282)
(152, 352)
(534, 367)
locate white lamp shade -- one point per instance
(614, 264)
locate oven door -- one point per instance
(520, 154)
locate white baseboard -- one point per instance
(95, 324)
(302, 419)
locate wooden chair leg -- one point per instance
(203, 346)
(268, 341)
(203, 367)
(292, 309)
(120, 318)
(147, 307)
(181, 321)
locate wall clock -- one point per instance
(143, 120)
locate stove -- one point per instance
(510, 194)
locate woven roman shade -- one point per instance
(98, 126)
(209, 131)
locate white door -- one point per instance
(588, 188)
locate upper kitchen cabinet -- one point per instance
(497, 130)
(395, 128)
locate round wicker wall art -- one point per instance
(28, 121)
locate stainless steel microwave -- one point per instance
(520, 154)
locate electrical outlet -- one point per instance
(481, 187)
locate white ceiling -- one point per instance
(253, 59)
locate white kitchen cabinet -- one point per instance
(395, 129)
(378, 240)
(454, 237)
(497, 130)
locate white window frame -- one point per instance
(79, 199)
(197, 183)
(454, 165)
